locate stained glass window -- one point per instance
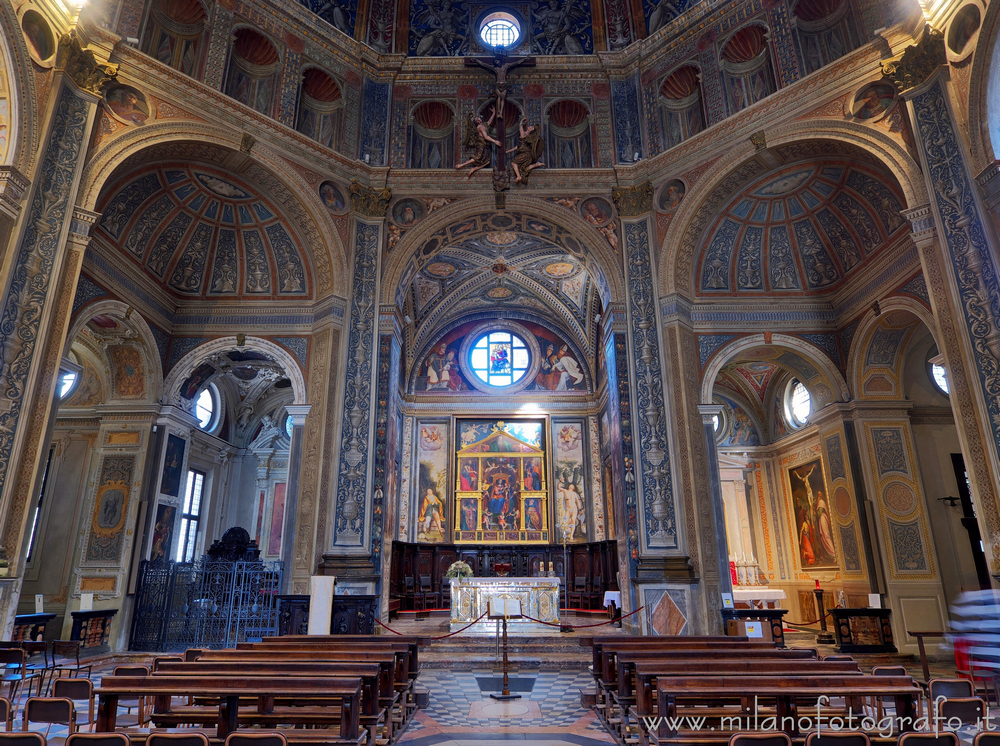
(499, 358)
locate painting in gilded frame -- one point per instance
(501, 483)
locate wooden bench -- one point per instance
(688, 695)
(412, 641)
(229, 690)
(607, 672)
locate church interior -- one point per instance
(665, 314)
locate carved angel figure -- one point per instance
(478, 139)
(438, 27)
(528, 151)
(559, 28)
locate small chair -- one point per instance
(7, 714)
(987, 738)
(26, 739)
(87, 739)
(928, 739)
(970, 710)
(77, 690)
(949, 689)
(445, 593)
(66, 659)
(177, 739)
(412, 595)
(248, 738)
(760, 739)
(891, 671)
(129, 702)
(14, 667)
(38, 660)
(828, 737)
(49, 710)
(578, 592)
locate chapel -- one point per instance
(667, 299)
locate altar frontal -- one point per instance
(538, 598)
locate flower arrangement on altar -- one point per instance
(459, 570)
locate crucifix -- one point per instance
(500, 65)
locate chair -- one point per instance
(949, 689)
(38, 660)
(245, 738)
(49, 710)
(928, 739)
(430, 596)
(66, 658)
(838, 657)
(177, 739)
(410, 594)
(760, 739)
(969, 710)
(987, 738)
(891, 671)
(829, 737)
(86, 739)
(14, 665)
(445, 593)
(25, 739)
(77, 690)
(129, 702)
(578, 592)
(7, 714)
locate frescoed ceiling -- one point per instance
(508, 263)
(203, 233)
(802, 228)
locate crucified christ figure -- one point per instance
(500, 68)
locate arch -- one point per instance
(868, 323)
(592, 240)
(315, 221)
(680, 244)
(154, 365)
(984, 92)
(810, 352)
(187, 364)
(22, 125)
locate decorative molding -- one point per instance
(13, 187)
(633, 201)
(369, 202)
(82, 66)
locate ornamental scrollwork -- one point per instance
(633, 201)
(918, 62)
(372, 203)
(82, 66)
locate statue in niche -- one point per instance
(478, 139)
(528, 152)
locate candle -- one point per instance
(817, 585)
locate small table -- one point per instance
(923, 653)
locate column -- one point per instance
(297, 413)
(960, 265)
(662, 573)
(39, 280)
(349, 556)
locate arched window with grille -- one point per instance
(568, 124)
(825, 30)
(320, 108)
(680, 106)
(432, 136)
(175, 34)
(746, 66)
(254, 65)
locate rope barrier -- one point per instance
(808, 624)
(583, 626)
(441, 637)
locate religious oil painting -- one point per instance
(811, 509)
(170, 482)
(127, 103)
(38, 35)
(406, 212)
(596, 210)
(332, 197)
(569, 475)
(963, 29)
(502, 472)
(163, 532)
(431, 484)
(874, 101)
(671, 195)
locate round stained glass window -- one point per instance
(499, 358)
(499, 29)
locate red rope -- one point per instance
(584, 626)
(441, 637)
(808, 624)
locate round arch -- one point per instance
(22, 125)
(187, 364)
(591, 239)
(868, 323)
(680, 244)
(984, 92)
(153, 363)
(316, 223)
(813, 354)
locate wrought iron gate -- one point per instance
(209, 604)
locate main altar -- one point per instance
(539, 598)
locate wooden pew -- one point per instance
(229, 690)
(682, 641)
(785, 692)
(609, 655)
(414, 642)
